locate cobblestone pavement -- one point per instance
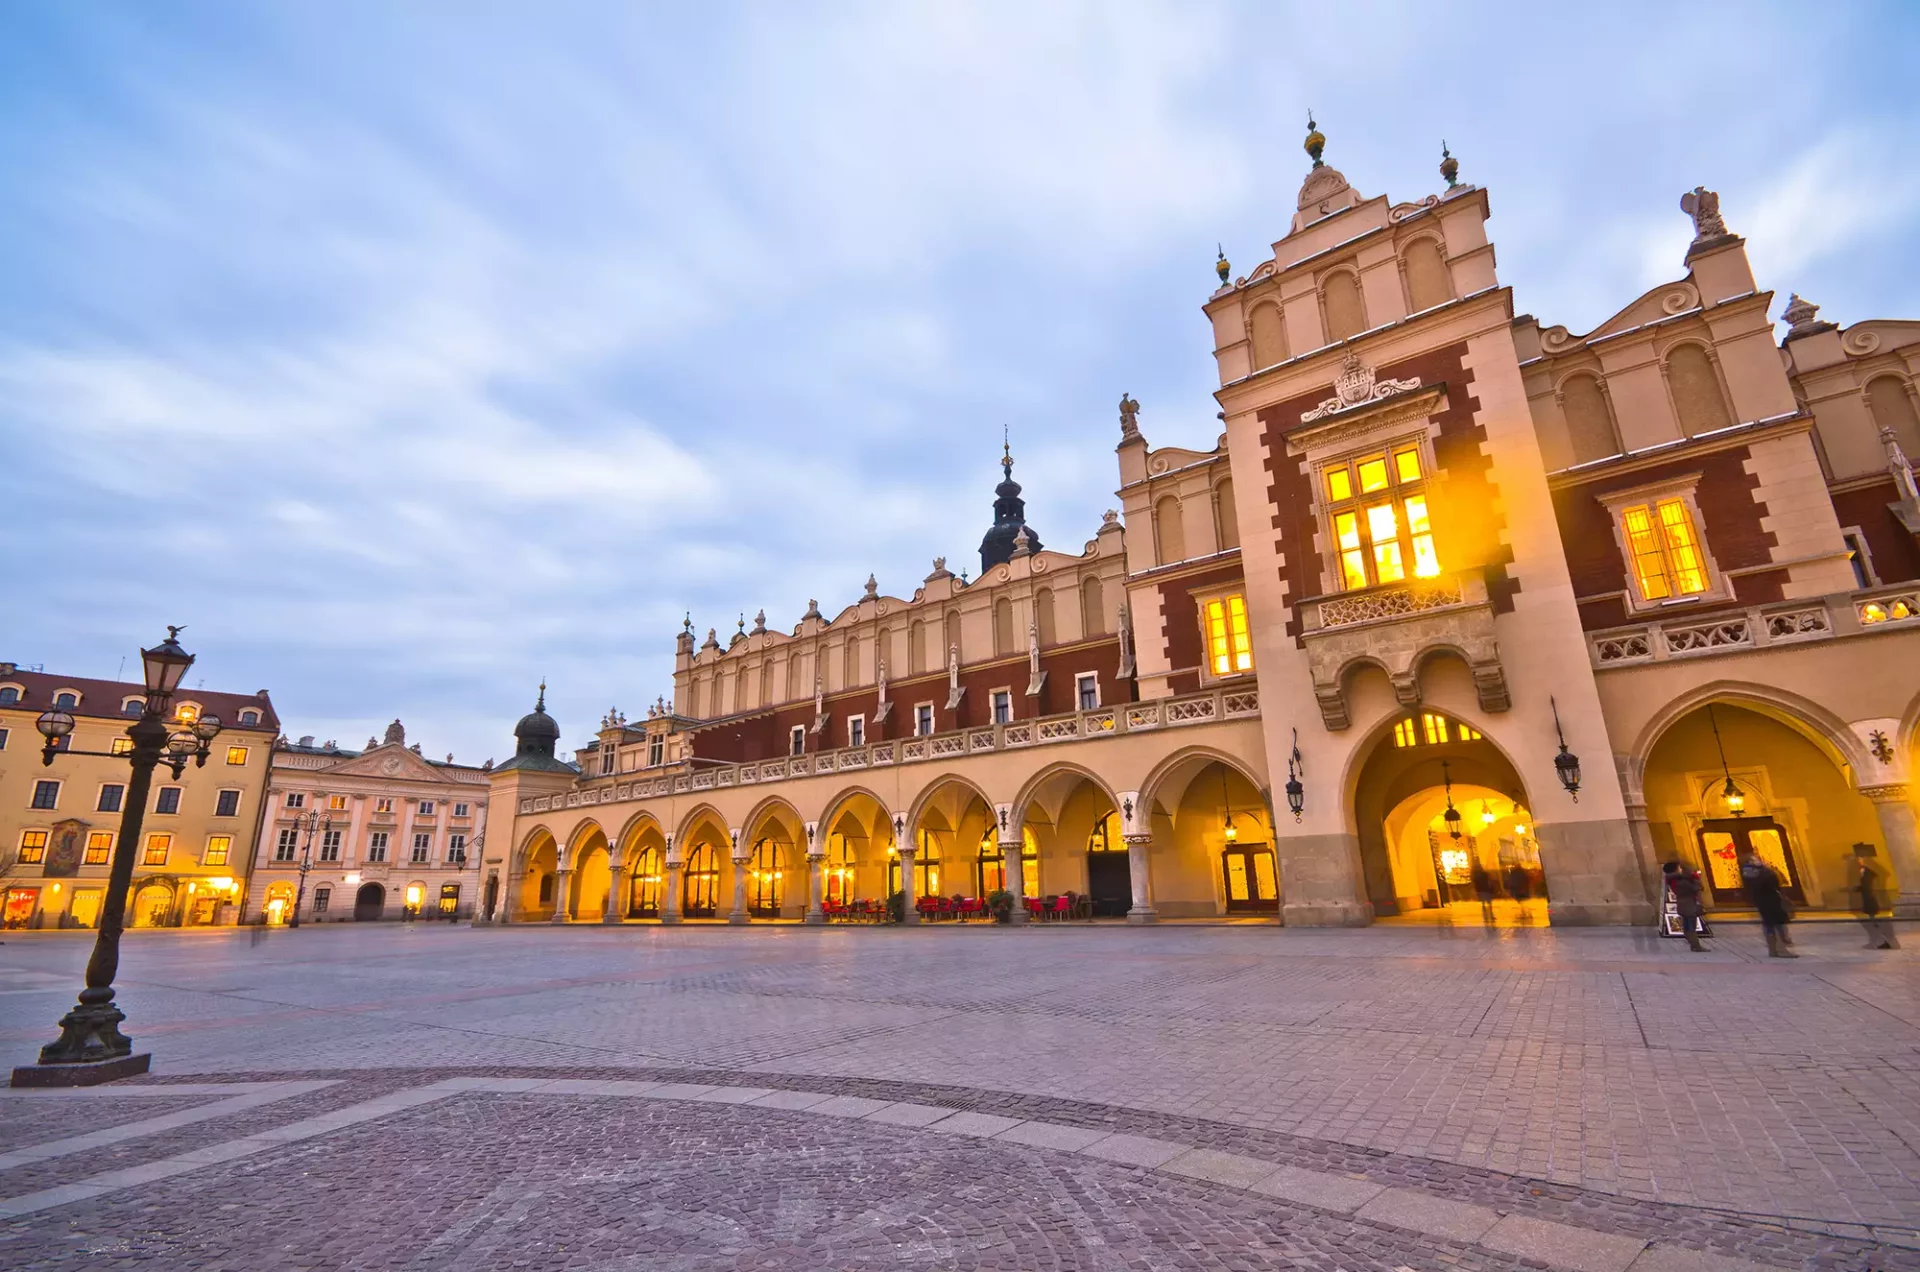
(1593, 1078)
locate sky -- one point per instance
(410, 354)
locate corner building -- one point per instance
(1501, 608)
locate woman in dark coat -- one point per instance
(1684, 884)
(1763, 889)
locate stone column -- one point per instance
(1014, 871)
(816, 887)
(563, 896)
(670, 903)
(738, 915)
(1138, 873)
(908, 899)
(616, 911)
(1901, 829)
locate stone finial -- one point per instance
(813, 609)
(1221, 267)
(873, 588)
(940, 570)
(449, 757)
(1449, 166)
(396, 733)
(488, 766)
(1023, 543)
(712, 641)
(1315, 142)
(1703, 205)
(1129, 418)
(1109, 518)
(415, 748)
(760, 623)
(1799, 313)
(371, 743)
(687, 625)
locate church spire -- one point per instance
(1009, 515)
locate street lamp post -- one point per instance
(313, 821)
(91, 1049)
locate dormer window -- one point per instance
(65, 700)
(9, 695)
(1376, 505)
(656, 750)
(249, 716)
(133, 707)
(607, 758)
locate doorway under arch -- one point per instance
(1446, 828)
(369, 903)
(701, 896)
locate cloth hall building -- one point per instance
(1460, 600)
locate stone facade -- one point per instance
(1511, 614)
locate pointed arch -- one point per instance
(920, 803)
(843, 799)
(1052, 772)
(699, 813)
(778, 808)
(637, 825)
(535, 839)
(1814, 722)
(1189, 760)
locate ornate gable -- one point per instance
(389, 760)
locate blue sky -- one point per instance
(411, 353)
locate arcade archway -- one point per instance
(1445, 827)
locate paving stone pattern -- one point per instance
(1596, 1078)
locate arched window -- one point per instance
(1225, 515)
(1346, 316)
(1003, 628)
(1590, 428)
(1697, 400)
(137, 706)
(766, 880)
(1168, 531)
(1892, 407)
(1043, 616)
(917, 647)
(249, 716)
(702, 886)
(1093, 607)
(9, 695)
(65, 701)
(648, 876)
(1427, 281)
(1269, 334)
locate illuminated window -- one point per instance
(236, 755)
(122, 746)
(336, 803)
(1665, 548)
(157, 848)
(1382, 527)
(1229, 646)
(33, 847)
(99, 847)
(217, 848)
(1404, 734)
(187, 713)
(1465, 734)
(382, 805)
(1436, 727)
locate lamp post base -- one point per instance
(84, 1073)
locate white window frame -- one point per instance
(797, 741)
(119, 801)
(33, 801)
(998, 699)
(1080, 684)
(296, 799)
(336, 803)
(608, 758)
(1201, 599)
(422, 847)
(656, 750)
(377, 846)
(1682, 487)
(239, 797)
(856, 730)
(923, 714)
(249, 716)
(1415, 435)
(287, 846)
(463, 810)
(456, 849)
(330, 841)
(3, 738)
(426, 808)
(160, 793)
(383, 805)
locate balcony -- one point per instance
(1757, 627)
(1395, 627)
(1231, 702)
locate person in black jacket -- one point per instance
(1763, 889)
(1879, 931)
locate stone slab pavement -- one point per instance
(1550, 1082)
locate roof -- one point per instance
(101, 699)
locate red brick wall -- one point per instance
(1181, 621)
(1467, 523)
(1731, 527)
(1896, 557)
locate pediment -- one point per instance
(1656, 305)
(390, 761)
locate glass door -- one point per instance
(765, 881)
(1253, 885)
(703, 883)
(1723, 841)
(645, 901)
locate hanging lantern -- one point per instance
(1566, 765)
(1296, 792)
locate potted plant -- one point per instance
(1000, 905)
(897, 907)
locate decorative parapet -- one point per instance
(1228, 702)
(1395, 628)
(1729, 632)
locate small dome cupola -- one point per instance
(1009, 518)
(537, 733)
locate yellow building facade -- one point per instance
(1461, 612)
(59, 822)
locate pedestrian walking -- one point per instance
(1519, 887)
(1684, 884)
(1879, 930)
(1762, 883)
(1483, 886)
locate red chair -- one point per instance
(1035, 907)
(1062, 907)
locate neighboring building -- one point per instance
(385, 832)
(59, 823)
(1439, 553)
